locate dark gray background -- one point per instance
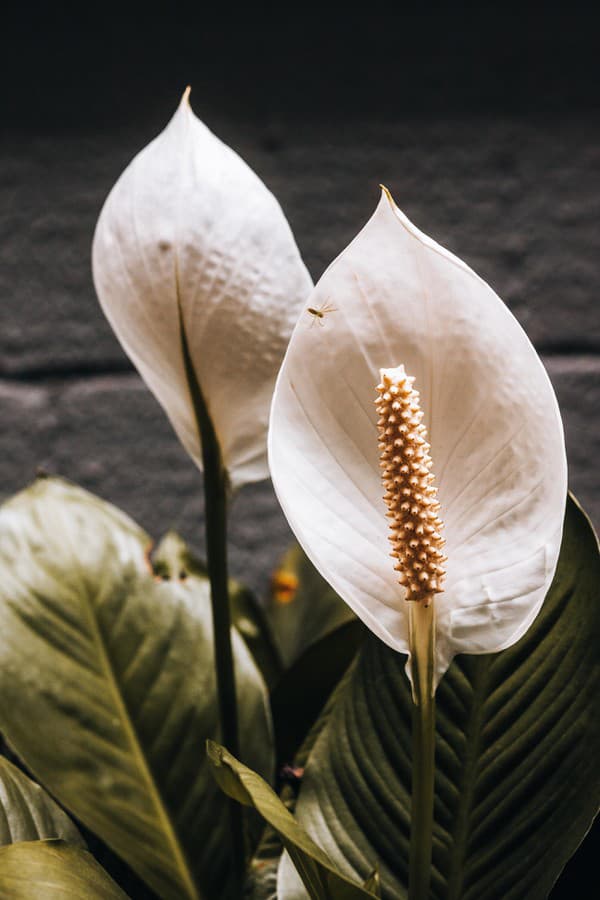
(483, 124)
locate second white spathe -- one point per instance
(189, 226)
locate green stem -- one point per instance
(216, 488)
(215, 498)
(422, 643)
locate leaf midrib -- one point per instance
(144, 767)
(473, 733)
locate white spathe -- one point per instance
(395, 297)
(189, 223)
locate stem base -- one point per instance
(422, 644)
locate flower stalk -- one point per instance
(216, 489)
(422, 648)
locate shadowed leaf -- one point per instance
(517, 745)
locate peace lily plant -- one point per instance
(446, 750)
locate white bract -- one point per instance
(396, 298)
(190, 228)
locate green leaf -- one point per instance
(321, 879)
(52, 870)
(518, 741)
(28, 813)
(107, 686)
(302, 608)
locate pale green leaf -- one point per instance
(172, 559)
(107, 686)
(262, 882)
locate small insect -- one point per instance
(291, 774)
(318, 313)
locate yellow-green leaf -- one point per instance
(319, 875)
(53, 870)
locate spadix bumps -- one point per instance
(410, 492)
(489, 416)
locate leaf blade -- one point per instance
(321, 879)
(117, 665)
(53, 870)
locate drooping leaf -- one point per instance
(28, 812)
(107, 686)
(53, 870)
(319, 876)
(518, 739)
(302, 608)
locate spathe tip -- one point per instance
(386, 193)
(185, 97)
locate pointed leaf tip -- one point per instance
(214, 752)
(185, 97)
(385, 192)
